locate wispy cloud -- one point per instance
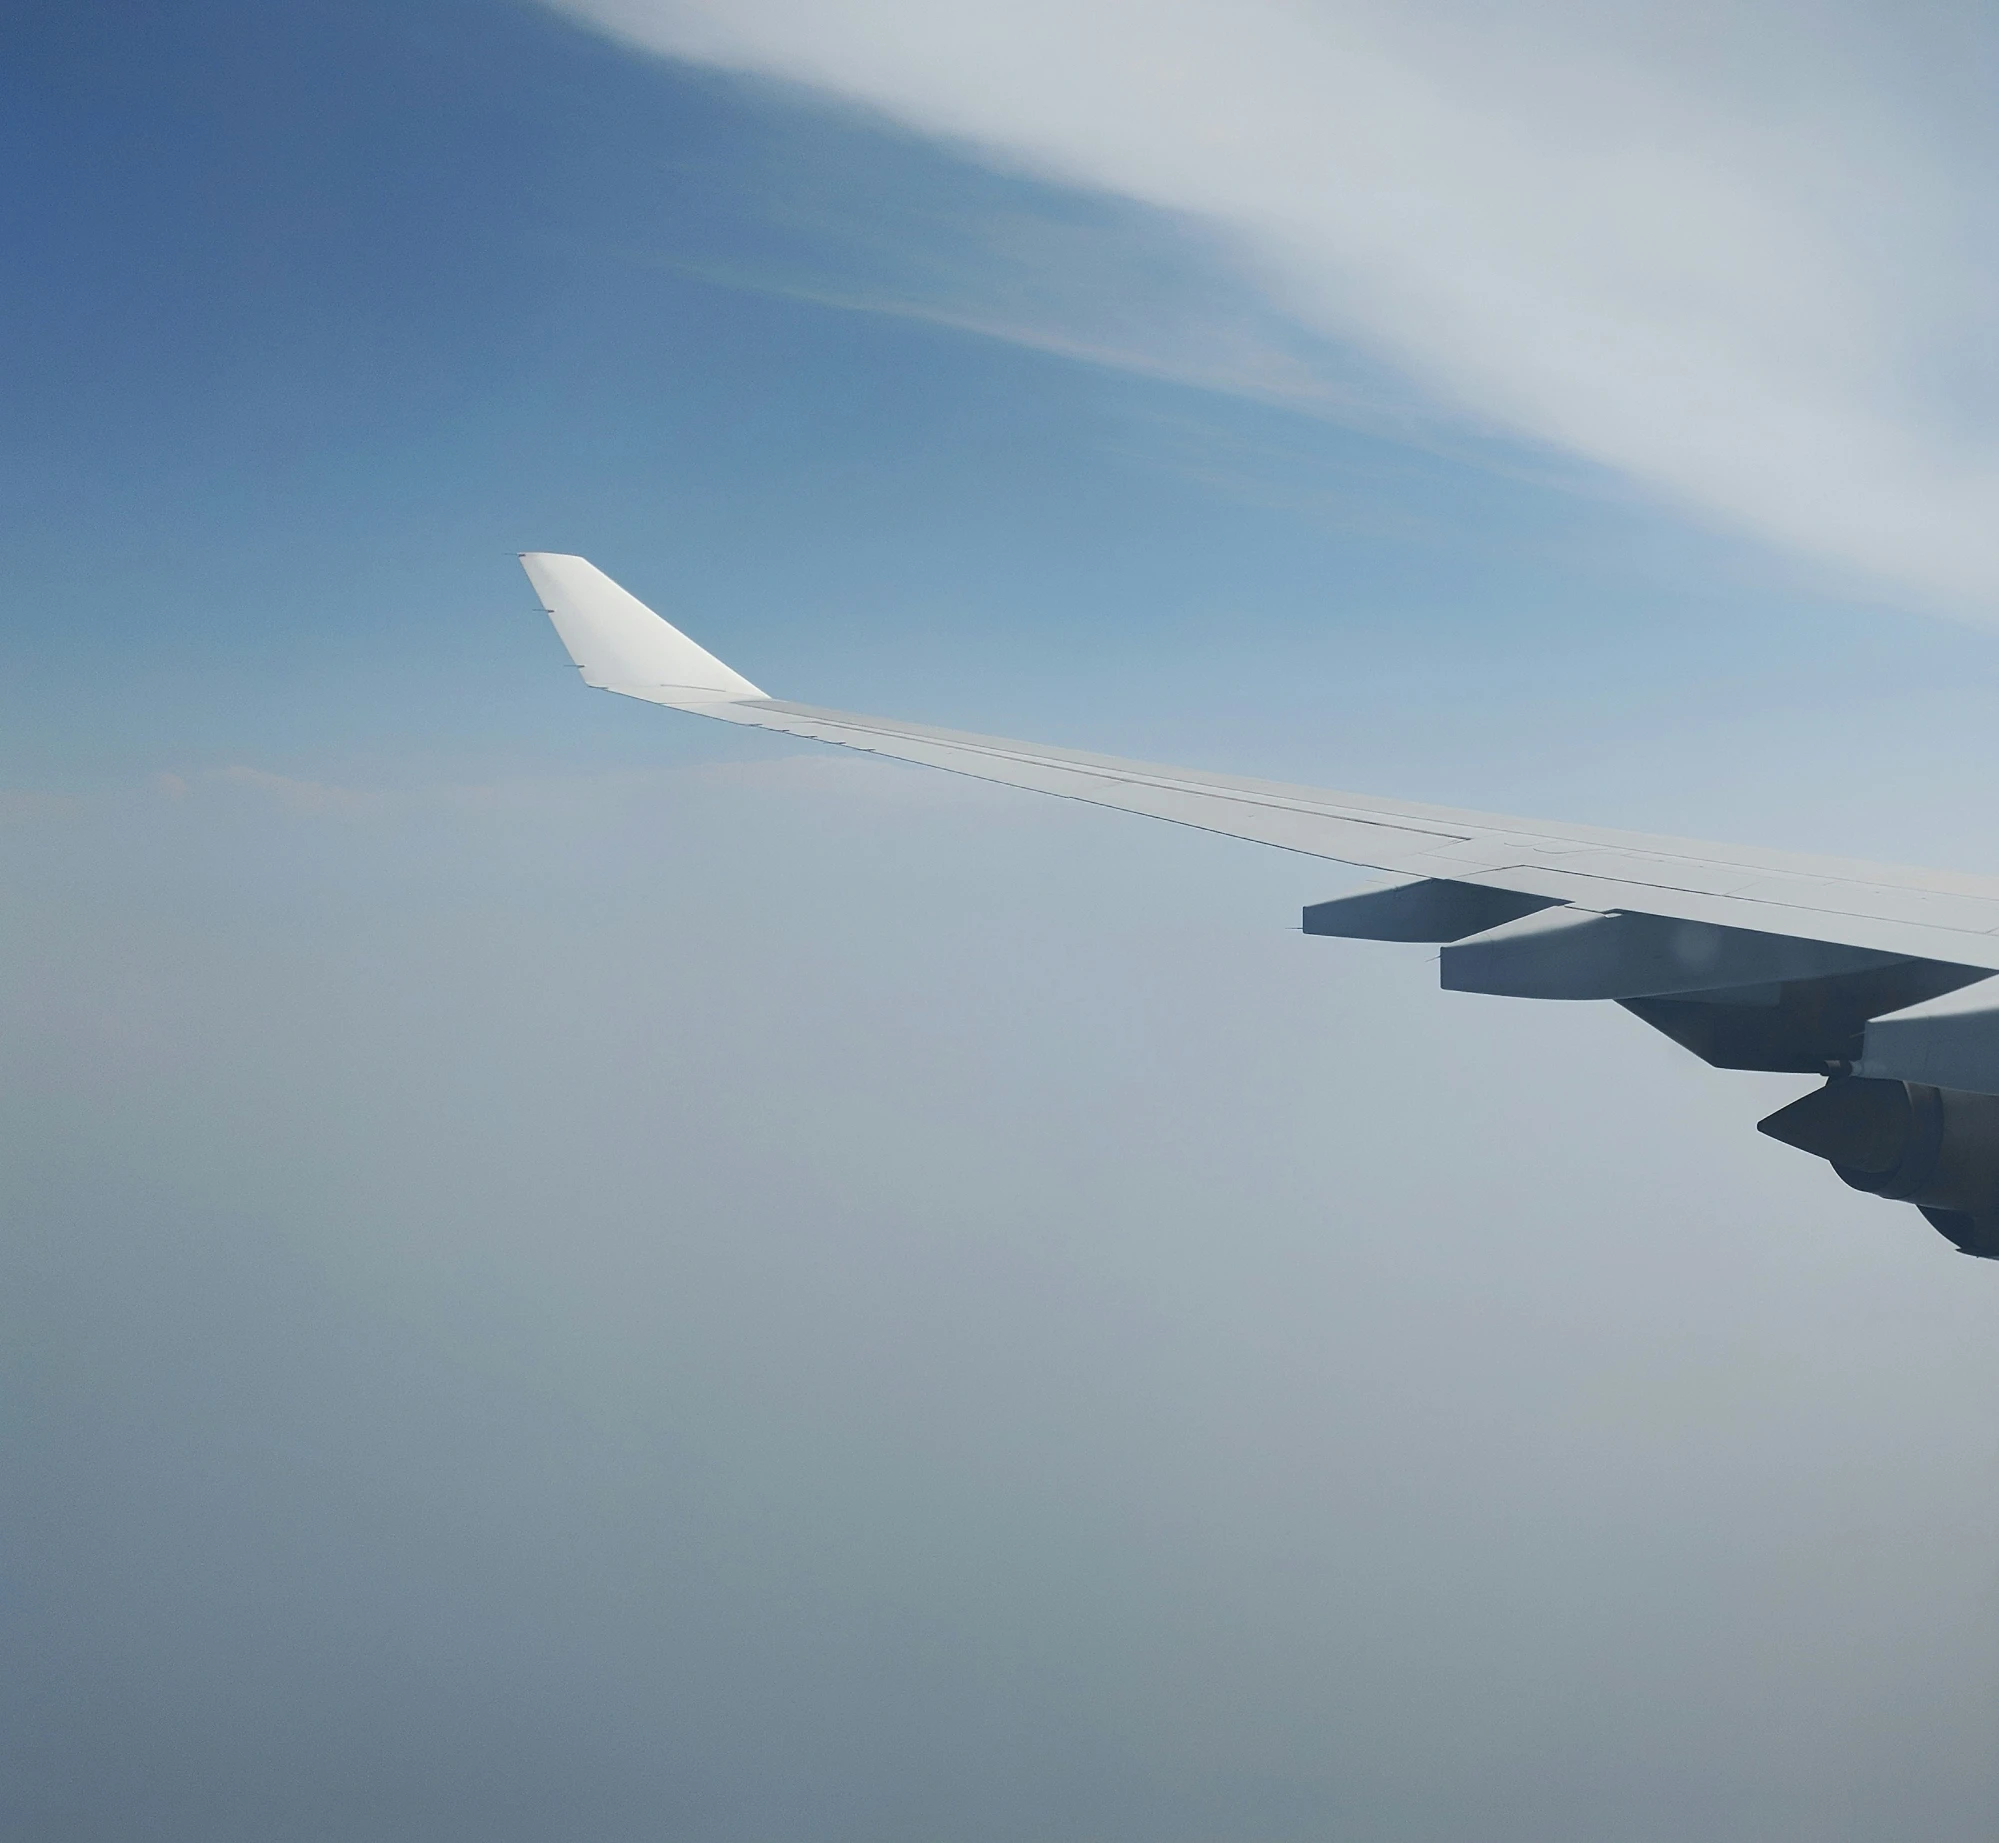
(1208, 347)
(857, 780)
(1738, 255)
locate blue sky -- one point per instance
(573, 1271)
(327, 316)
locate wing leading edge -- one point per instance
(1752, 959)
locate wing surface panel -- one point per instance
(1885, 909)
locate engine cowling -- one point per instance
(1937, 1148)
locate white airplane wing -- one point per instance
(1752, 959)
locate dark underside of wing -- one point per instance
(1801, 1026)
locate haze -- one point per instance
(570, 1272)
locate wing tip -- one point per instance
(619, 643)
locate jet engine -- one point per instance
(1937, 1148)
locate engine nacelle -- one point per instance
(1937, 1148)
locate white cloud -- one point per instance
(1735, 254)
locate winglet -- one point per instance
(620, 643)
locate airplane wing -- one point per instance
(1752, 959)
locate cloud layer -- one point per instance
(1734, 256)
(693, 1305)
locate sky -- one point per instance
(570, 1271)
